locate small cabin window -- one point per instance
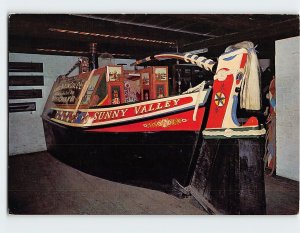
(100, 91)
(87, 97)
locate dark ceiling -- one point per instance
(140, 35)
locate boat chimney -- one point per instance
(93, 56)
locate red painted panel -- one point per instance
(216, 113)
(138, 110)
(244, 60)
(115, 114)
(252, 121)
(177, 122)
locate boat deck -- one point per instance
(40, 184)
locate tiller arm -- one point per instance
(202, 62)
(236, 82)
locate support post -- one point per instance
(93, 56)
(229, 176)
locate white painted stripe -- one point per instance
(186, 59)
(193, 59)
(230, 133)
(155, 113)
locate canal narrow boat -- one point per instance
(105, 111)
(128, 121)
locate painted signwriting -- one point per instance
(165, 123)
(94, 116)
(67, 90)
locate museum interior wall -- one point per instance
(26, 134)
(287, 102)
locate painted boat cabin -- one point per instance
(109, 85)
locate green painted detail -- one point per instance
(102, 90)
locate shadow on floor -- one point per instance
(138, 172)
(40, 184)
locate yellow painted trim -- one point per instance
(105, 98)
(67, 123)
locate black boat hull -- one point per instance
(136, 157)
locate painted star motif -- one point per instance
(220, 99)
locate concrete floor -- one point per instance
(40, 184)
(282, 196)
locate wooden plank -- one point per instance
(25, 67)
(25, 94)
(229, 176)
(24, 80)
(22, 107)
